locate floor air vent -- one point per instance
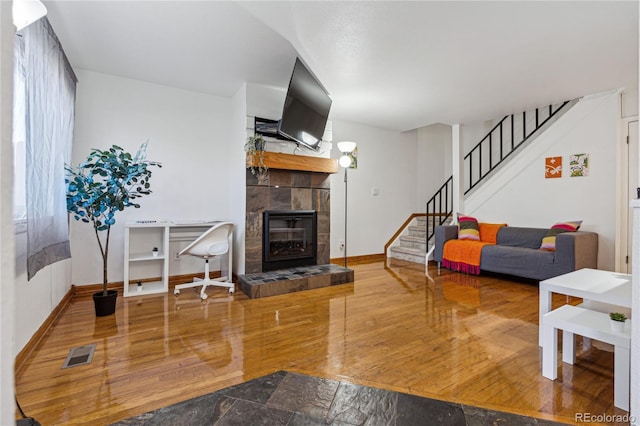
(79, 356)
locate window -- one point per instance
(44, 108)
(19, 136)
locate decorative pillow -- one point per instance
(468, 228)
(489, 231)
(549, 240)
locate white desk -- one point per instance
(589, 284)
(139, 239)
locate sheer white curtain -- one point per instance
(49, 108)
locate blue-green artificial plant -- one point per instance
(105, 183)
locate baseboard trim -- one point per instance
(355, 260)
(88, 290)
(37, 337)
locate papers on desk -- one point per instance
(191, 222)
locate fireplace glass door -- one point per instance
(289, 239)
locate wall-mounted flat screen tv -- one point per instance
(306, 108)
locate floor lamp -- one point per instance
(346, 148)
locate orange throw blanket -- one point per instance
(463, 256)
(489, 231)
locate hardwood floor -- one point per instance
(453, 337)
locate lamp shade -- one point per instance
(345, 161)
(346, 146)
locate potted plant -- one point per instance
(254, 148)
(105, 183)
(617, 321)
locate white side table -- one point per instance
(590, 284)
(595, 325)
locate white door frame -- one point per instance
(622, 230)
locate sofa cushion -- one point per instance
(468, 228)
(549, 240)
(520, 237)
(518, 261)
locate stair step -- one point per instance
(409, 254)
(411, 241)
(412, 245)
(423, 226)
(417, 231)
(412, 238)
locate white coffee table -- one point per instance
(591, 285)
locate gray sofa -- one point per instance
(517, 252)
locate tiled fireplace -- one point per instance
(298, 201)
(285, 190)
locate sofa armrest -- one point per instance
(577, 250)
(442, 234)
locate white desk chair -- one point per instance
(216, 241)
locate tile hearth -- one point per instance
(282, 281)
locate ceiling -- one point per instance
(396, 65)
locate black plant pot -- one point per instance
(105, 305)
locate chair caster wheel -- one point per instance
(231, 291)
(176, 292)
(203, 296)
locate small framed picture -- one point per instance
(553, 167)
(579, 165)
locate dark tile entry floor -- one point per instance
(285, 398)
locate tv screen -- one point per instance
(306, 108)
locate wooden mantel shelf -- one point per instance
(276, 160)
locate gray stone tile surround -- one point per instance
(285, 190)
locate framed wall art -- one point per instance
(553, 167)
(579, 165)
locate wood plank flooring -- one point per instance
(472, 340)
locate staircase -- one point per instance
(414, 241)
(411, 244)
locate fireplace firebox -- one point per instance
(289, 239)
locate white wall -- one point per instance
(630, 102)
(386, 161)
(472, 133)
(7, 302)
(433, 161)
(41, 295)
(237, 182)
(190, 134)
(265, 101)
(520, 195)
